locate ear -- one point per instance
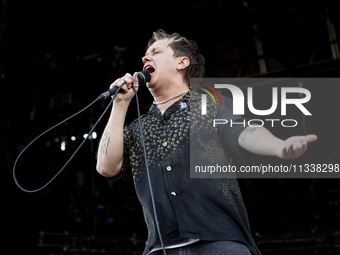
(183, 62)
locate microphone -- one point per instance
(143, 78)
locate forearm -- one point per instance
(110, 151)
(259, 140)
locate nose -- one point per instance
(146, 59)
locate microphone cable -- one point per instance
(148, 174)
(62, 169)
(82, 143)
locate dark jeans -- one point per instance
(207, 248)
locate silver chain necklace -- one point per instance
(167, 100)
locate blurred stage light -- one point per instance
(94, 135)
(63, 145)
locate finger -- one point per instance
(285, 152)
(297, 151)
(298, 146)
(135, 79)
(291, 151)
(304, 147)
(128, 79)
(123, 80)
(124, 87)
(310, 138)
(116, 83)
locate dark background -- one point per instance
(58, 56)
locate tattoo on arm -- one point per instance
(249, 130)
(106, 142)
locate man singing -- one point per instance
(196, 215)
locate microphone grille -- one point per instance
(143, 77)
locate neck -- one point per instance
(162, 93)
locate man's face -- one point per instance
(159, 60)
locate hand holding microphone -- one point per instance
(139, 78)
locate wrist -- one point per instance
(120, 104)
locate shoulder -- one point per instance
(135, 123)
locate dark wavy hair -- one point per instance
(182, 47)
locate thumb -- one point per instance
(135, 80)
(311, 138)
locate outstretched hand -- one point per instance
(294, 146)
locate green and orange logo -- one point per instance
(204, 97)
(209, 93)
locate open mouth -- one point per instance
(150, 69)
